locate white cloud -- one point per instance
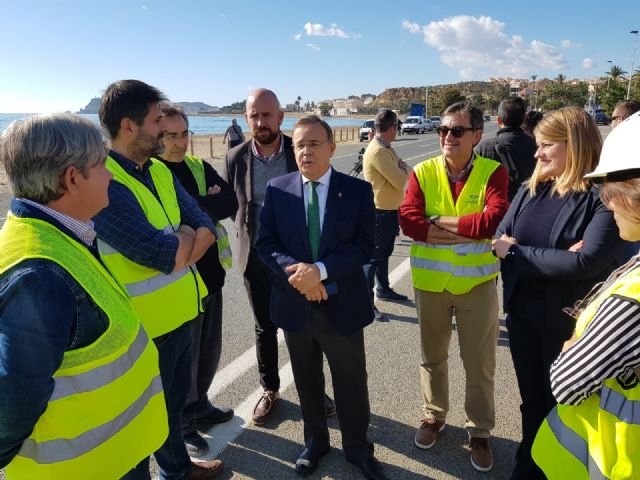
(319, 30)
(297, 36)
(144, 7)
(478, 47)
(313, 47)
(569, 44)
(587, 64)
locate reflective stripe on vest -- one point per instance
(461, 267)
(107, 396)
(64, 449)
(607, 423)
(575, 444)
(162, 301)
(222, 237)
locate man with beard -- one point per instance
(218, 199)
(150, 237)
(247, 168)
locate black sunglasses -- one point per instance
(455, 131)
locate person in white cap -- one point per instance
(594, 431)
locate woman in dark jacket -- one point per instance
(556, 241)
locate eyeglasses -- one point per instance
(308, 146)
(457, 132)
(174, 137)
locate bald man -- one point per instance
(247, 168)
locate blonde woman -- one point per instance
(556, 241)
(594, 431)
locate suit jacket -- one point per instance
(568, 276)
(237, 172)
(346, 244)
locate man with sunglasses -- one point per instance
(452, 207)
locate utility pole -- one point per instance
(535, 92)
(426, 102)
(633, 60)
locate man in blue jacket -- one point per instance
(316, 233)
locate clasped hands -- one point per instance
(305, 278)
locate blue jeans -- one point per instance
(174, 351)
(386, 231)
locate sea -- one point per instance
(205, 125)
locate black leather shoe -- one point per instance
(213, 416)
(391, 295)
(379, 316)
(307, 462)
(329, 406)
(371, 468)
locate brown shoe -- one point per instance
(205, 470)
(427, 433)
(265, 407)
(481, 455)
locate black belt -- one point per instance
(379, 210)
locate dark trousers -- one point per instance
(206, 341)
(346, 357)
(385, 235)
(533, 350)
(256, 281)
(233, 143)
(174, 350)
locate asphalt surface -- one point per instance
(393, 356)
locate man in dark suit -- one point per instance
(316, 233)
(247, 168)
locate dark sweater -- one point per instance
(218, 206)
(515, 150)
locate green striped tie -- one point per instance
(313, 220)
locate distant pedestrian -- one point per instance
(387, 174)
(234, 134)
(531, 119)
(80, 389)
(622, 110)
(511, 146)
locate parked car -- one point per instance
(366, 128)
(487, 118)
(416, 125)
(435, 122)
(601, 118)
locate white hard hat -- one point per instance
(620, 156)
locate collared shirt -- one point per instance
(382, 142)
(84, 231)
(465, 171)
(322, 189)
(268, 158)
(124, 225)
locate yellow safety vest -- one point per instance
(222, 237)
(600, 438)
(456, 268)
(163, 302)
(107, 409)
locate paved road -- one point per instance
(251, 452)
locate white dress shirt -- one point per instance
(322, 189)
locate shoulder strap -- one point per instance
(504, 155)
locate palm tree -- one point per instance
(616, 72)
(298, 100)
(560, 78)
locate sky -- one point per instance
(55, 55)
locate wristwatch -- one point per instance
(433, 219)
